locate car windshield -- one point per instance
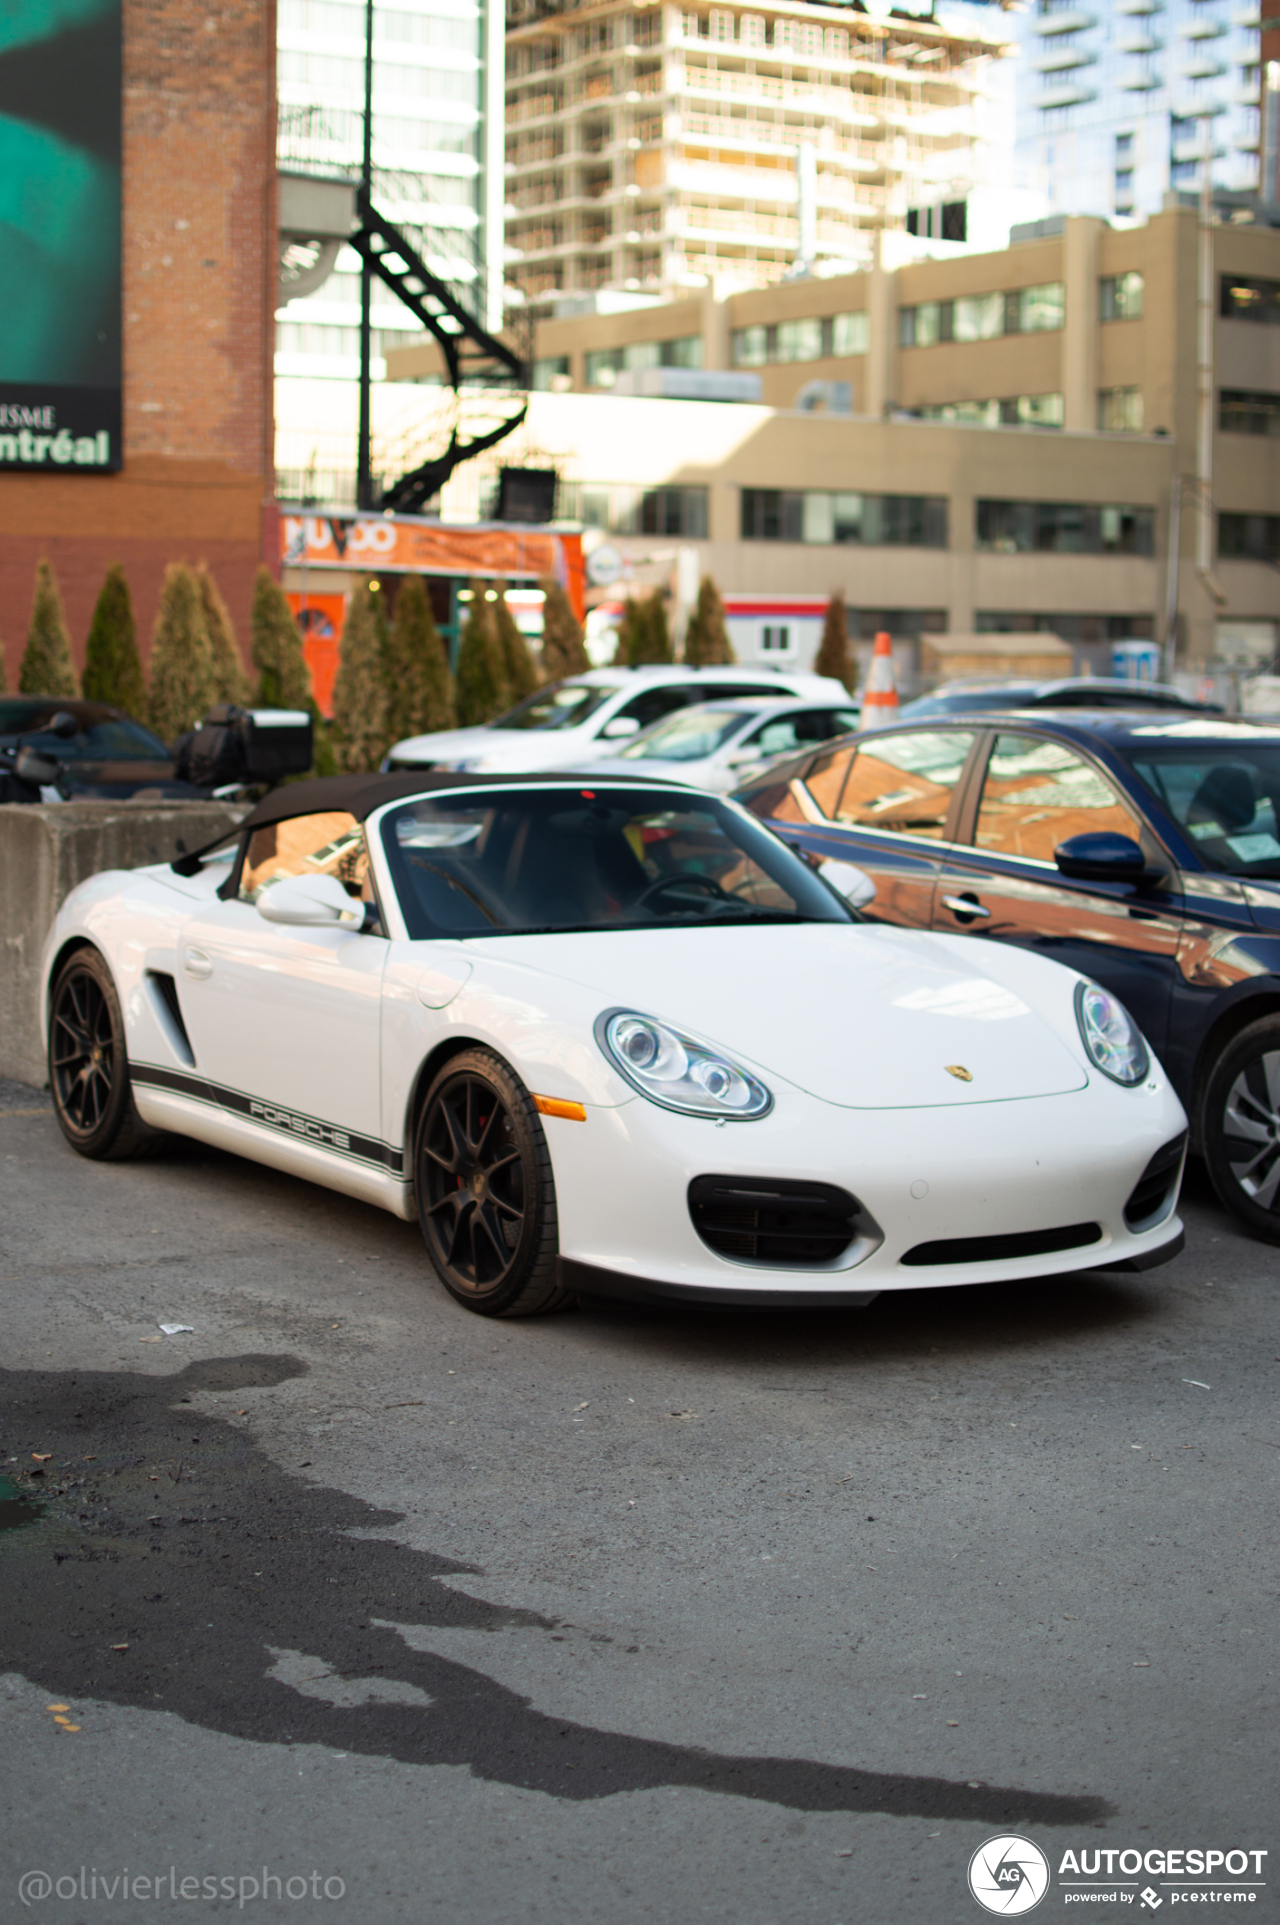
(1224, 795)
(525, 861)
(1003, 695)
(104, 738)
(564, 705)
(686, 736)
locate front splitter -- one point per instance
(590, 1280)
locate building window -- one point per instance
(775, 639)
(800, 340)
(811, 339)
(1244, 299)
(1120, 410)
(818, 517)
(645, 511)
(551, 372)
(603, 365)
(1064, 528)
(1035, 310)
(983, 317)
(904, 624)
(684, 353)
(1120, 297)
(946, 222)
(977, 317)
(921, 326)
(1249, 538)
(849, 333)
(1243, 413)
(1069, 628)
(1014, 411)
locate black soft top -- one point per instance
(360, 795)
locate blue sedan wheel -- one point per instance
(1242, 1127)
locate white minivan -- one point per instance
(570, 723)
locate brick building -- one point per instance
(198, 321)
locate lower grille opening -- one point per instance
(1152, 1194)
(775, 1220)
(1023, 1243)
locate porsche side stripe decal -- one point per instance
(270, 1116)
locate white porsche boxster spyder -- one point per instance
(609, 1037)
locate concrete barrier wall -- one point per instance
(44, 853)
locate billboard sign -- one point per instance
(60, 140)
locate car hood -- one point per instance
(864, 1017)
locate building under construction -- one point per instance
(653, 148)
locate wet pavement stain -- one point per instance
(169, 1532)
(16, 1507)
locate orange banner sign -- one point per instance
(404, 544)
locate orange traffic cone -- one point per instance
(880, 697)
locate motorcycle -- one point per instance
(27, 775)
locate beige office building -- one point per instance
(992, 443)
(654, 147)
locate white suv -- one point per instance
(569, 723)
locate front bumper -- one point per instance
(924, 1176)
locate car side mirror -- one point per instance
(314, 902)
(1101, 857)
(620, 725)
(63, 725)
(855, 885)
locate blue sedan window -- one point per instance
(1038, 793)
(1224, 796)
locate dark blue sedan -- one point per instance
(1141, 849)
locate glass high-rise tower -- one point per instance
(437, 159)
(1118, 100)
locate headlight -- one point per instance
(673, 1068)
(1111, 1038)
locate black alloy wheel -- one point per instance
(486, 1197)
(89, 1066)
(1241, 1127)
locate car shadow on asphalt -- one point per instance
(972, 1322)
(157, 1558)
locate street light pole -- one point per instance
(364, 480)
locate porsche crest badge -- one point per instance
(959, 1071)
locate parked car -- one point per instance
(109, 755)
(1082, 691)
(575, 721)
(717, 745)
(1141, 849)
(609, 1038)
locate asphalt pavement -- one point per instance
(343, 1603)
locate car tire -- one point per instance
(1240, 1127)
(485, 1190)
(89, 1065)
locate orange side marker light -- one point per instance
(556, 1106)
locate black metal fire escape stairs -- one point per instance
(473, 357)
